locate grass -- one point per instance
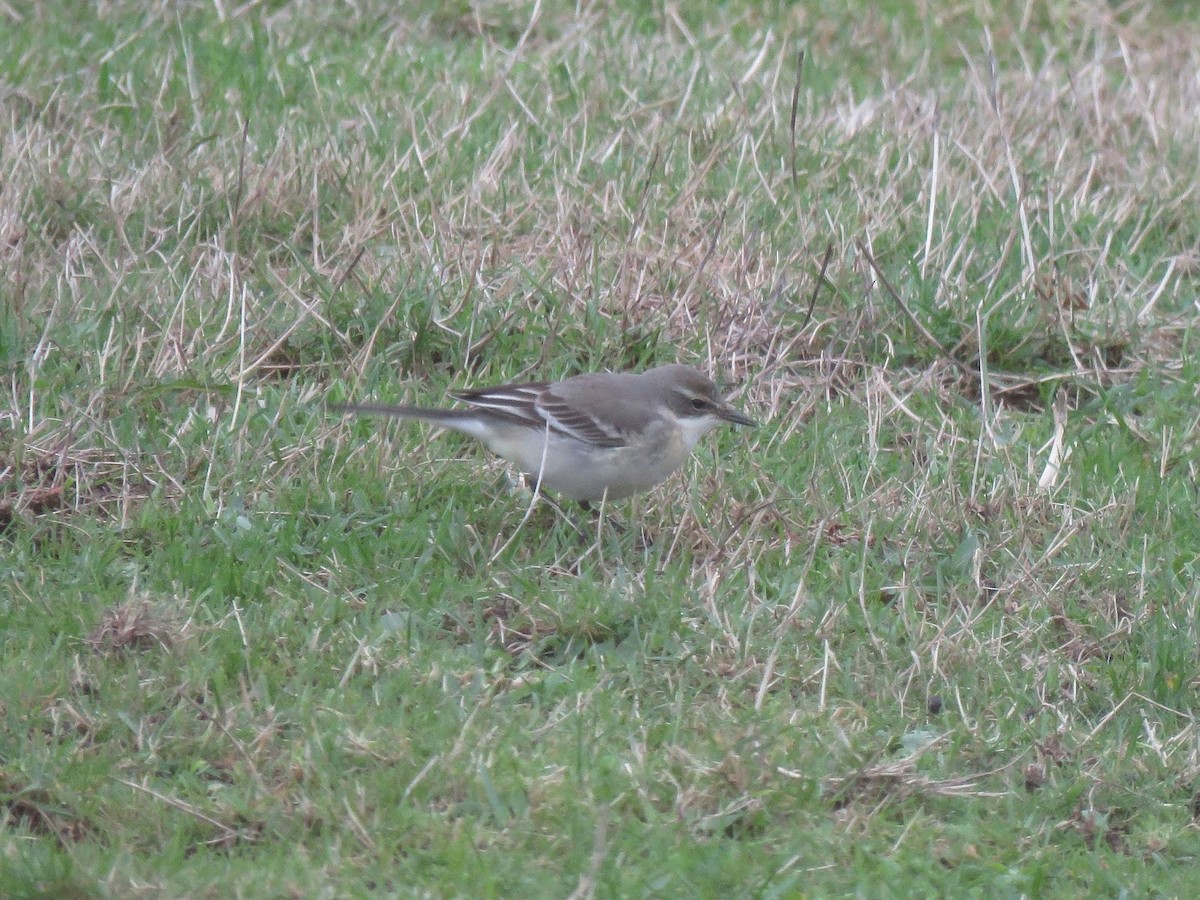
(931, 629)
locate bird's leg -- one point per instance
(595, 515)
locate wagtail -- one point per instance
(593, 437)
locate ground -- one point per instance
(929, 630)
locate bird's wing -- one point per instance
(537, 405)
(568, 418)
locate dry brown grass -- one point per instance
(138, 624)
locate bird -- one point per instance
(594, 437)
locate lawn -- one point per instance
(931, 629)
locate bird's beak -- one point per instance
(729, 414)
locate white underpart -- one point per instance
(692, 429)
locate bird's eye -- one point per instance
(699, 404)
